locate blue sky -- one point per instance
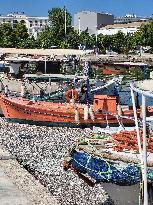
(41, 7)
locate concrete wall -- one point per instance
(87, 20)
(92, 21)
(104, 19)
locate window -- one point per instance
(96, 102)
(31, 23)
(36, 23)
(22, 21)
(40, 22)
(14, 23)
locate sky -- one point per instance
(142, 8)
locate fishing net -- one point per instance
(105, 171)
(150, 175)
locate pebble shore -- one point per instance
(41, 150)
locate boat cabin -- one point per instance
(105, 102)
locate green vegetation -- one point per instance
(55, 36)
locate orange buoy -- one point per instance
(150, 108)
(71, 94)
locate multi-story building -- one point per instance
(129, 19)
(91, 21)
(125, 28)
(34, 24)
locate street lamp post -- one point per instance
(96, 37)
(79, 26)
(96, 41)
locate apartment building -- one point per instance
(34, 24)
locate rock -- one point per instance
(41, 150)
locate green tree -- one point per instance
(137, 39)
(1, 37)
(57, 19)
(118, 42)
(55, 34)
(148, 34)
(21, 34)
(144, 36)
(107, 41)
(73, 39)
(86, 39)
(30, 43)
(6, 39)
(47, 38)
(100, 43)
(129, 44)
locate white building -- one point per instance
(128, 18)
(34, 24)
(91, 21)
(125, 28)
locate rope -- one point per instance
(107, 121)
(115, 115)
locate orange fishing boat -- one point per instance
(110, 71)
(112, 68)
(102, 112)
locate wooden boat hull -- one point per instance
(64, 124)
(53, 114)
